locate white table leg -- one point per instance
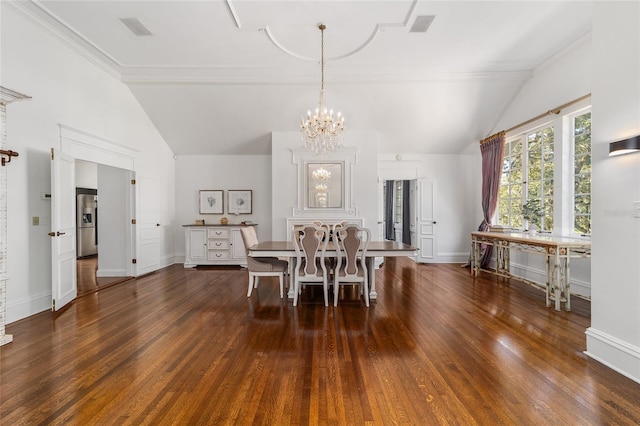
(371, 267)
(292, 268)
(549, 280)
(556, 276)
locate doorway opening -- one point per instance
(90, 267)
(399, 211)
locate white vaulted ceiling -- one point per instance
(217, 77)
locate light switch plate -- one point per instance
(35, 220)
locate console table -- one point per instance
(557, 251)
(214, 245)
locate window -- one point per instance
(582, 174)
(398, 206)
(550, 163)
(539, 182)
(511, 185)
(527, 173)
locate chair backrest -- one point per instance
(249, 237)
(351, 243)
(310, 243)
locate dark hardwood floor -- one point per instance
(86, 279)
(188, 347)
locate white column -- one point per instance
(6, 96)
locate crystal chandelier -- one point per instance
(322, 132)
(321, 175)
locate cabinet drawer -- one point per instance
(218, 233)
(218, 244)
(218, 255)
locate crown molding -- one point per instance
(37, 13)
(565, 50)
(279, 76)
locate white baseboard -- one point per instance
(27, 307)
(100, 273)
(614, 353)
(168, 260)
(539, 276)
(452, 258)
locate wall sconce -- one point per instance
(625, 146)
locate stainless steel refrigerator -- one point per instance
(87, 233)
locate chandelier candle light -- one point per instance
(322, 132)
(321, 175)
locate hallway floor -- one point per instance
(86, 275)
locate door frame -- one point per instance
(87, 147)
(404, 170)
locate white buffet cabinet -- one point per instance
(214, 245)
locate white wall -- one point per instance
(222, 172)
(86, 174)
(66, 89)
(454, 201)
(285, 179)
(614, 335)
(114, 254)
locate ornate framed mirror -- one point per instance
(324, 183)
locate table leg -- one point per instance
(475, 258)
(567, 289)
(292, 269)
(549, 280)
(371, 267)
(557, 289)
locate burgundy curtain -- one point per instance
(492, 149)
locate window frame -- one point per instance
(563, 165)
(572, 217)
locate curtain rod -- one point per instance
(554, 111)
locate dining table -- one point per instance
(375, 249)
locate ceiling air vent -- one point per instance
(422, 23)
(136, 26)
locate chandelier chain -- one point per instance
(322, 132)
(322, 27)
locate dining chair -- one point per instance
(310, 243)
(351, 243)
(261, 266)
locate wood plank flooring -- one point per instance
(187, 347)
(87, 281)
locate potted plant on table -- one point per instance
(532, 212)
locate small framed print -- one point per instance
(211, 202)
(239, 202)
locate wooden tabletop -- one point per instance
(538, 239)
(376, 248)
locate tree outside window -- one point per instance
(539, 183)
(582, 173)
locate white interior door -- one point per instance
(63, 229)
(426, 222)
(147, 225)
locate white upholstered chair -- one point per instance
(261, 266)
(351, 243)
(310, 242)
